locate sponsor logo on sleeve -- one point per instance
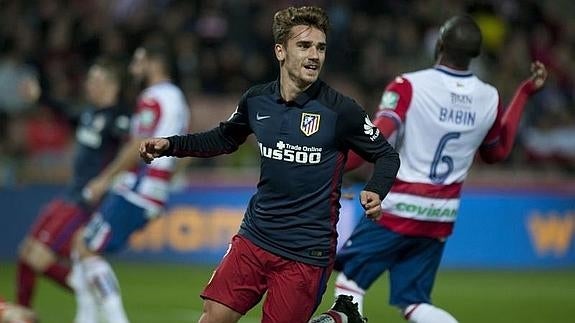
(389, 100)
(370, 129)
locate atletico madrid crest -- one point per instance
(309, 123)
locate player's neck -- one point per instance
(450, 65)
(155, 79)
(289, 88)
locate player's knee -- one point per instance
(80, 247)
(37, 255)
(214, 312)
(427, 313)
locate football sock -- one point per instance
(26, 283)
(345, 286)
(427, 313)
(104, 282)
(86, 305)
(59, 273)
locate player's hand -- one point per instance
(371, 204)
(538, 76)
(95, 190)
(153, 148)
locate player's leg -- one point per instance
(14, 313)
(107, 231)
(344, 310)
(237, 284)
(370, 251)
(412, 279)
(46, 245)
(294, 291)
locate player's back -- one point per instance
(448, 118)
(443, 117)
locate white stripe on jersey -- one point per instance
(421, 208)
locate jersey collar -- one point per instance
(453, 72)
(304, 97)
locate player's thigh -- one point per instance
(368, 253)
(412, 278)
(36, 254)
(239, 281)
(111, 226)
(295, 290)
(56, 225)
(215, 312)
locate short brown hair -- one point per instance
(289, 17)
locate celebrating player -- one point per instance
(286, 243)
(140, 194)
(438, 118)
(101, 130)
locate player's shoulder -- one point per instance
(268, 88)
(418, 76)
(486, 87)
(336, 100)
(163, 89)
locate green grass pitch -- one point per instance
(155, 293)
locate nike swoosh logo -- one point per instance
(258, 117)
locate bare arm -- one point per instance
(509, 122)
(126, 159)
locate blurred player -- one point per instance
(141, 191)
(438, 119)
(14, 313)
(101, 130)
(286, 243)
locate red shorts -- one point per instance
(57, 223)
(247, 272)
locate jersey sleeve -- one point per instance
(365, 139)
(390, 116)
(223, 139)
(395, 102)
(492, 136)
(146, 118)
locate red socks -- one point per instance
(26, 284)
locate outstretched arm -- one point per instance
(506, 126)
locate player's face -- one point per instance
(303, 55)
(97, 85)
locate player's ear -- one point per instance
(280, 52)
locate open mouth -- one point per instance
(311, 67)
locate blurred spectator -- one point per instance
(370, 42)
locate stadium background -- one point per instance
(512, 257)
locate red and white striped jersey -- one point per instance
(161, 111)
(443, 116)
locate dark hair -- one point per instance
(460, 40)
(112, 68)
(161, 52)
(289, 17)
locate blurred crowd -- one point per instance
(223, 46)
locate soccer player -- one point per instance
(100, 132)
(286, 244)
(141, 191)
(438, 118)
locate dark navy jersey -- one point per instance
(303, 146)
(99, 136)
